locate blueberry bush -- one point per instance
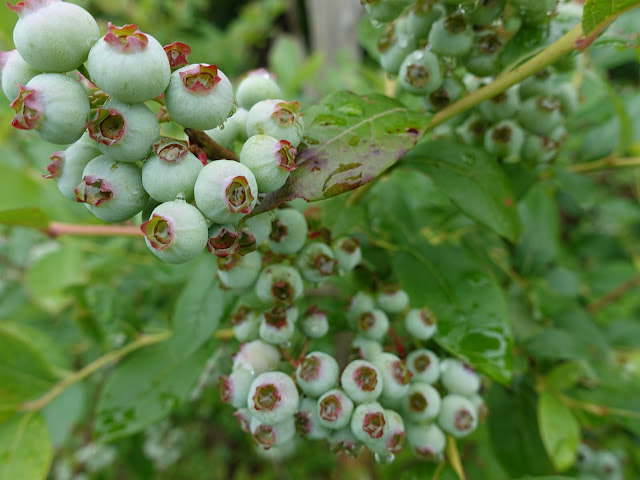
(227, 255)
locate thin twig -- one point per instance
(608, 163)
(614, 295)
(56, 229)
(213, 149)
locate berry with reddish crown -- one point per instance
(369, 424)
(424, 364)
(225, 191)
(258, 85)
(421, 323)
(234, 128)
(421, 403)
(420, 72)
(288, 231)
(125, 132)
(112, 190)
(177, 53)
(392, 299)
(372, 324)
(426, 440)
(269, 159)
(14, 71)
(176, 232)
(395, 376)
(224, 240)
(317, 373)
(259, 226)
(505, 140)
(66, 166)
(129, 65)
(239, 271)
(279, 285)
(276, 118)
(267, 436)
(277, 325)
(53, 105)
(365, 348)
(347, 252)
(334, 409)
(307, 420)
(315, 323)
(394, 433)
(234, 387)
(459, 378)
(273, 397)
(170, 171)
(257, 357)
(362, 381)
(245, 324)
(199, 96)
(53, 36)
(316, 262)
(457, 415)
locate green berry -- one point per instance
(392, 299)
(451, 36)
(317, 373)
(426, 441)
(258, 85)
(335, 409)
(380, 11)
(269, 159)
(458, 377)
(372, 324)
(395, 376)
(503, 106)
(539, 149)
(486, 12)
(368, 424)
(347, 252)
(362, 381)
(276, 118)
(234, 128)
(279, 285)
(277, 325)
(472, 130)
(308, 422)
(234, 387)
(483, 58)
(245, 324)
(259, 226)
(365, 348)
(457, 416)
(451, 90)
(421, 403)
(273, 398)
(424, 365)
(394, 46)
(176, 232)
(505, 140)
(316, 262)
(421, 323)
(239, 271)
(541, 114)
(257, 357)
(288, 231)
(15, 71)
(420, 72)
(422, 16)
(314, 323)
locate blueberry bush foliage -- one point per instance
(226, 255)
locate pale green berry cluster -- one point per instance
(118, 163)
(598, 464)
(394, 391)
(443, 50)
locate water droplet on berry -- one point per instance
(384, 458)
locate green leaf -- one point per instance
(514, 432)
(25, 449)
(201, 305)
(599, 13)
(24, 374)
(145, 388)
(349, 140)
(25, 217)
(559, 429)
(473, 180)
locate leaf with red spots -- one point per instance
(473, 180)
(349, 140)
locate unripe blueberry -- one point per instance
(395, 376)
(244, 419)
(334, 409)
(472, 130)
(239, 271)
(278, 453)
(14, 71)
(273, 397)
(394, 45)
(540, 83)
(424, 364)
(421, 323)
(607, 465)
(55, 106)
(234, 387)
(481, 407)
(505, 140)
(420, 72)
(372, 324)
(124, 132)
(361, 302)
(267, 436)
(365, 348)
(234, 128)
(224, 240)
(539, 148)
(276, 118)
(176, 232)
(362, 381)
(258, 85)
(483, 58)
(422, 16)
(541, 114)
(245, 324)
(345, 442)
(269, 159)
(392, 299)
(316, 262)
(259, 226)
(459, 378)
(451, 36)
(421, 403)
(394, 433)
(66, 166)
(308, 422)
(53, 36)
(277, 325)
(171, 170)
(317, 373)
(347, 252)
(585, 458)
(314, 323)
(451, 90)
(279, 285)
(368, 424)
(129, 65)
(567, 94)
(199, 96)
(225, 191)
(503, 106)
(288, 231)
(112, 190)
(486, 12)
(380, 11)
(457, 415)
(535, 12)
(426, 440)
(257, 357)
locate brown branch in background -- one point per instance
(614, 294)
(56, 228)
(213, 149)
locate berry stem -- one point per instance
(213, 149)
(402, 352)
(56, 229)
(566, 44)
(608, 163)
(73, 378)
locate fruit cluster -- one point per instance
(443, 50)
(377, 398)
(598, 464)
(118, 164)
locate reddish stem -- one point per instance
(56, 229)
(402, 352)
